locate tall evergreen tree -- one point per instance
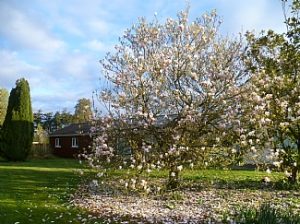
(17, 132)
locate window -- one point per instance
(57, 143)
(74, 143)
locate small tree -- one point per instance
(17, 133)
(274, 60)
(40, 135)
(173, 97)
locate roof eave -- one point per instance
(69, 135)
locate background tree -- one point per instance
(83, 111)
(174, 95)
(274, 60)
(17, 133)
(3, 104)
(38, 117)
(48, 122)
(62, 119)
(44, 119)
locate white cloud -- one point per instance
(26, 33)
(99, 46)
(13, 68)
(57, 93)
(251, 15)
(56, 86)
(56, 44)
(69, 25)
(99, 26)
(76, 66)
(53, 101)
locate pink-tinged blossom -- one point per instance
(173, 96)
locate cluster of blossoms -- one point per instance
(274, 102)
(172, 99)
(273, 135)
(179, 96)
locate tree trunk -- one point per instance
(293, 177)
(173, 181)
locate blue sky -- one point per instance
(57, 44)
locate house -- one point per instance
(71, 140)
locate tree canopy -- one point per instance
(174, 93)
(274, 61)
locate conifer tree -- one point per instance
(17, 132)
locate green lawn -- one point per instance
(38, 191)
(231, 179)
(213, 178)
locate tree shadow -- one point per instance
(241, 185)
(32, 195)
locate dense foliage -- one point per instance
(17, 131)
(274, 105)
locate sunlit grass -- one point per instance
(38, 191)
(232, 179)
(40, 169)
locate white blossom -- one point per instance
(179, 168)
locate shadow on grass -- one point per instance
(31, 213)
(38, 191)
(236, 179)
(247, 184)
(221, 179)
(43, 163)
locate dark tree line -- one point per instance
(52, 121)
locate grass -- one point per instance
(231, 179)
(38, 191)
(220, 193)
(212, 178)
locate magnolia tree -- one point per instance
(173, 98)
(274, 128)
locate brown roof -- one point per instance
(73, 130)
